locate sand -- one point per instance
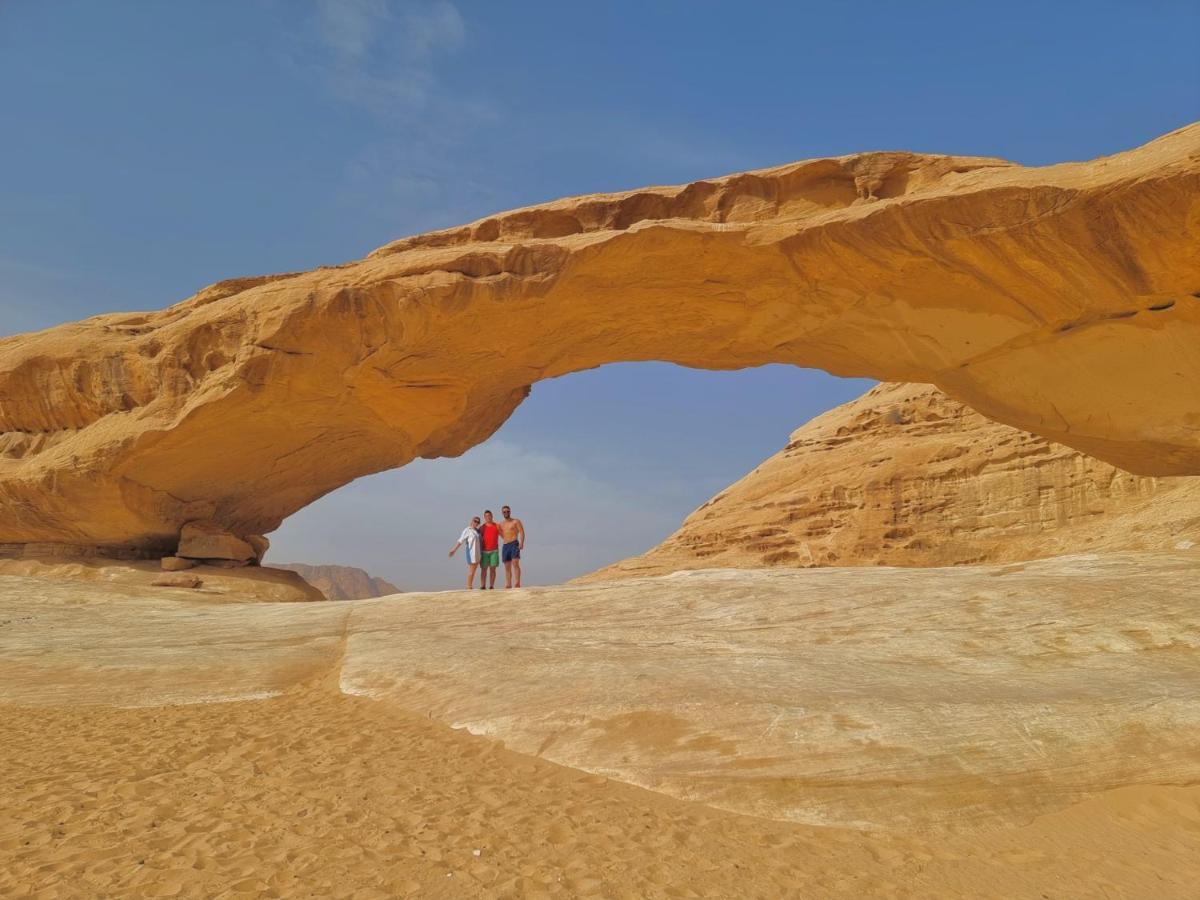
(152, 745)
(324, 795)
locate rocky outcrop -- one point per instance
(1064, 300)
(133, 577)
(870, 698)
(905, 476)
(342, 582)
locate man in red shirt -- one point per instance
(489, 559)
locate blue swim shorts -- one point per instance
(511, 551)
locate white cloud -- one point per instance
(401, 524)
(381, 56)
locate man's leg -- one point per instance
(507, 574)
(492, 579)
(517, 570)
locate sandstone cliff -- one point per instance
(1064, 300)
(341, 582)
(905, 476)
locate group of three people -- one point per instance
(490, 542)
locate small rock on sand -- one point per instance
(181, 581)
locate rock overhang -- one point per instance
(1061, 300)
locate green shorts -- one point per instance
(490, 559)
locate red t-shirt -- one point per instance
(491, 535)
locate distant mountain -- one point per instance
(341, 582)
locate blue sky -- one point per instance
(150, 149)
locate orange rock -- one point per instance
(1064, 300)
(209, 541)
(905, 476)
(261, 545)
(177, 563)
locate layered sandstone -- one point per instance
(906, 476)
(341, 582)
(1064, 300)
(201, 581)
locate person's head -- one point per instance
(506, 511)
(487, 515)
(475, 522)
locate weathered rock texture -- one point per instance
(973, 696)
(341, 582)
(207, 540)
(905, 476)
(216, 584)
(1064, 300)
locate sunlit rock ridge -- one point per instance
(906, 476)
(1063, 300)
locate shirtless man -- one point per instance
(512, 532)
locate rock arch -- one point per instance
(1064, 300)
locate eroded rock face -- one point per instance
(1064, 300)
(906, 476)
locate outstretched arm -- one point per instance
(521, 532)
(455, 547)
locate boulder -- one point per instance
(261, 545)
(207, 540)
(177, 563)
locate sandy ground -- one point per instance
(153, 745)
(316, 794)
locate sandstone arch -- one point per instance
(1064, 300)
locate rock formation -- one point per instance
(341, 582)
(906, 476)
(1064, 300)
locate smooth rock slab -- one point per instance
(871, 697)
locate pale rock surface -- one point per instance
(219, 584)
(964, 698)
(1064, 300)
(342, 582)
(906, 476)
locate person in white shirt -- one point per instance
(470, 537)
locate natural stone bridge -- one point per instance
(1063, 300)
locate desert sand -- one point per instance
(1061, 299)
(1025, 730)
(906, 476)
